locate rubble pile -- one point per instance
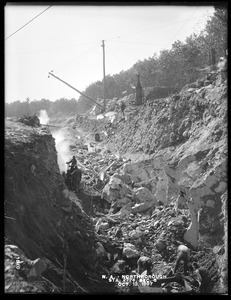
(95, 165)
(122, 239)
(185, 139)
(94, 121)
(128, 227)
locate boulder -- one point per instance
(125, 178)
(179, 221)
(144, 195)
(104, 226)
(130, 251)
(125, 211)
(38, 267)
(135, 234)
(161, 195)
(181, 202)
(123, 201)
(101, 225)
(138, 241)
(100, 249)
(118, 233)
(137, 171)
(141, 207)
(115, 189)
(161, 245)
(118, 267)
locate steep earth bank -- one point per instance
(44, 220)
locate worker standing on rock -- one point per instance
(122, 107)
(183, 254)
(181, 201)
(144, 263)
(73, 163)
(76, 177)
(202, 274)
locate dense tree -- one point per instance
(62, 105)
(216, 31)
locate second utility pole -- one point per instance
(104, 82)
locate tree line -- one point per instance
(172, 68)
(60, 106)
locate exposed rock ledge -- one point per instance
(43, 218)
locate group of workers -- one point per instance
(183, 254)
(73, 176)
(194, 277)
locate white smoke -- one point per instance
(43, 117)
(62, 147)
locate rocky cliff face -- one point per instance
(184, 137)
(43, 219)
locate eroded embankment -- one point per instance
(43, 219)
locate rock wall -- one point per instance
(42, 217)
(185, 139)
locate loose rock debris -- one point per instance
(141, 189)
(142, 208)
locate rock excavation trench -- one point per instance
(152, 180)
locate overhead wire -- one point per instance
(28, 22)
(182, 26)
(109, 39)
(52, 49)
(122, 65)
(149, 29)
(78, 58)
(151, 44)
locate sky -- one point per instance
(67, 39)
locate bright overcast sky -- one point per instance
(67, 39)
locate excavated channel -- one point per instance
(97, 208)
(85, 236)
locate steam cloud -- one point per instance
(61, 142)
(62, 147)
(43, 117)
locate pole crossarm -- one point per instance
(75, 89)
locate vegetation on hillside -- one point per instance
(62, 105)
(175, 67)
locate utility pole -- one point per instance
(104, 81)
(213, 56)
(139, 91)
(74, 88)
